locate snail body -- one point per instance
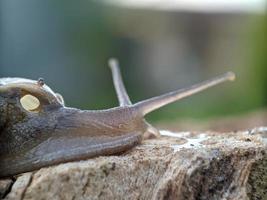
(37, 130)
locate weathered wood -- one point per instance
(5, 186)
(187, 165)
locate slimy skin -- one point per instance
(37, 130)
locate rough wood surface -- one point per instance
(181, 165)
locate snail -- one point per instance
(37, 130)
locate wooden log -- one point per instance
(182, 165)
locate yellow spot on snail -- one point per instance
(29, 102)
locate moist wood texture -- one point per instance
(204, 165)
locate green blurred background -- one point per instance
(69, 42)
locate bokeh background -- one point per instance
(160, 46)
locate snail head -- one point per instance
(27, 108)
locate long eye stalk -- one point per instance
(152, 104)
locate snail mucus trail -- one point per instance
(37, 130)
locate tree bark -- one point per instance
(181, 165)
